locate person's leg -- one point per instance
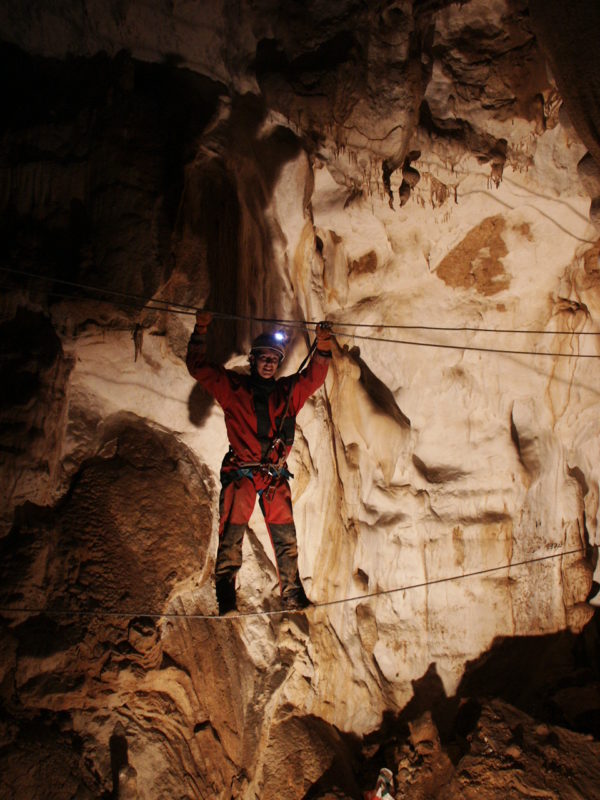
(276, 506)
(235, 507)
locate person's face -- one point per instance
(266, 363)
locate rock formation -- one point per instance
(425, 175)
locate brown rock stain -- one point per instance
(364, 264)
(303, 255)
(458, 542)
(367, 627)
(476, 262)
(439, 192)
(591, 268)
(525, 230)
(500, 532)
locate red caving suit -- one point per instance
(253, 409)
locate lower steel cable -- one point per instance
(101, 613)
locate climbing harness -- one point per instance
(248, 469)
(277, 469)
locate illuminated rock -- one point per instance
(404, 172)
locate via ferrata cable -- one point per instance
(100, 613)
(172, 307)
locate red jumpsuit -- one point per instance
(253, 410)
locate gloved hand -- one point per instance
(323, 333)
(203, 320)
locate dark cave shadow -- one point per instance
(539, 675)
(367, 755)
(350, 769)
(199, 405)
(166, 108)
(453, 717)
(528, 672)
(377, 390)
(217, 216)
(337, 777)
(344, 749)
(532, 672)
(118, 758)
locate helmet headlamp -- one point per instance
(273, 342)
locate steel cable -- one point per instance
(101, 613)
(140, 303)
(182, 308)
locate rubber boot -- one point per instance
(295, 599)
(226, 595)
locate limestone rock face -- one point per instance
(424, 176)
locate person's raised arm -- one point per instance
(211, 376)
(311, 378)
(196, 352)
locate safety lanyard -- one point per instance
(275, 441)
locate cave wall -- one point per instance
(405, 163)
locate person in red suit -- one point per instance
(260, 415)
